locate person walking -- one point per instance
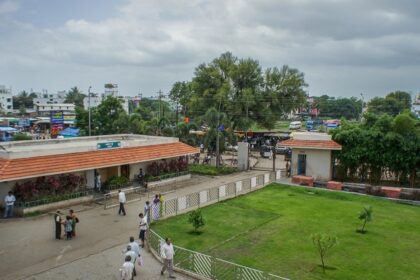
(127, 269)
(68, 227)
(133, 257)
(143, 228)
(168, 254)
(74, 221)
(9, 202)
(58, 224)
(122, 200)
(134, 246)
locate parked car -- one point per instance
(295, 125)
(265, 151)
(282, 150)
(232, 148)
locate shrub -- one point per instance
(117, 182)
(366, 216)
(21, 137)
(211, 170)
(196, 219)
(323, 243)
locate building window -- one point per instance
(9, 107)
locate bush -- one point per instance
(116, 182)
(196, 219)
(21, 137)
(211, 170)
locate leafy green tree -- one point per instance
(24, 99)
(180, 94)
(392, 104)
(366, 216)
(349, 108)
(196, 219)
(75, 96)
(323, 243)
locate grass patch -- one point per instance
(271, 229)
(211, 170)
(32, 214)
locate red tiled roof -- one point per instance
(313, 144)
(20, 168)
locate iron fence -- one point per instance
(208, 266)
(52, 199)
(184, 203)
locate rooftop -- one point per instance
(25, 149)
(311, 140)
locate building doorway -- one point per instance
(301, 164)
(125, 171)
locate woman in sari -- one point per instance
(156, 208)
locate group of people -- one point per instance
(131, 257)
(68, 224)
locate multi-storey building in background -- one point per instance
(6, 99)
(50, 98)
(95, 99)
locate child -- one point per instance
(68, 227)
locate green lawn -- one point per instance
(270, 230)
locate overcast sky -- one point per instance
(344, 47)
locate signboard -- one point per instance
(108, 145)
(57, 117)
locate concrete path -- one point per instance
(27, 246)
(105, 265)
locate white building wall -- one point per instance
(6, 99)
(318, 163)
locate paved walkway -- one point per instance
(104, 265)
(28, 246)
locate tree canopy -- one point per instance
(75, 96)
(392, 104)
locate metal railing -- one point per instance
(184, 203)
(52, 199)
(208, 266)
(201, 264)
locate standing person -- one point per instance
(58, 224)
(74, 220)
(156, 208)
(9, 202)
(127, 269)
(122, 200)
(140, 177)
(143, 228)
(161, 205)
(288, 168)
(168, 254)
(98, 182)
(133, 257)
(147, 211)
(68, 227)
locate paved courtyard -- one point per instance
(28, 247)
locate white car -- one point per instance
(295, 125)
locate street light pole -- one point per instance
(90, 133)
(217, 138)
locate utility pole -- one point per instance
(90, 133)
(160, 96)
(217, 138)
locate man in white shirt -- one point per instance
(127, 269)
(122, 200)
(133, 257)
(143, 228)
(168, 253)
(9, 203)
(134, 246)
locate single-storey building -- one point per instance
(312, 154)
(85, 157)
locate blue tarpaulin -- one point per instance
(70, 132)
